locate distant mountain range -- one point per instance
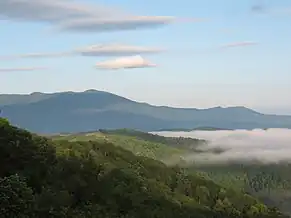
(92, 110)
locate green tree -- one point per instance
(16, 198)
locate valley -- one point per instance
(270, 182)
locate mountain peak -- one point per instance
(91, 91)
(36, 93)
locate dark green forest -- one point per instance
(41, 177)
(177, 142)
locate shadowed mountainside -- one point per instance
(92, 110)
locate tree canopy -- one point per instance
(44, 178)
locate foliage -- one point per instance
(3, 121)
(42, 178)
(16, 198)
(271, 183)
(177, 142)
(155, 149)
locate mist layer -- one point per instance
(239, 146)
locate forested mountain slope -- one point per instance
(271, 183)
(42, 178)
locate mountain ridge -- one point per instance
(93, 109)
(4, 102)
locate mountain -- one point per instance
(92, 109)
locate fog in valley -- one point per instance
(241, 146)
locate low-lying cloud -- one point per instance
(125, 63)
(22, 69)
(241, 146)
(93, 50)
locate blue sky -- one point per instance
(194, 73)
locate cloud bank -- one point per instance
(125, 63)
(22, 69)
(240, 146)
(93, 50)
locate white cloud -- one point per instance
(22, 69)
(121, 23)
(93, 50)
(124, 63)
(35, 55)
(242, 146)
(50, 10)
(239, 44)
(76, 16)
(116, 50)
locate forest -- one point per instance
(100, 176)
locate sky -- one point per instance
(235, 54)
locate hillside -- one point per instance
(42, 178)
(270, 183)
(92, 110)
(139, 143)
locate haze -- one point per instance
(239, 146)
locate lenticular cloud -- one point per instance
(77, 16)
(125, 63)
(114, 49)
